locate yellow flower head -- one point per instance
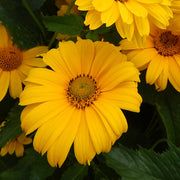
(15, 64)
(79, 100)
(131, 17)
(16, 146)
(161, 58)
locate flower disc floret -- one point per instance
(10, 58)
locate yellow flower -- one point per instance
(79, 100)
(161, 58)
(16, 146)
(15, 64)
(131, 17)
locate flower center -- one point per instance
(82, 91)
(167, 44)
(10, 58)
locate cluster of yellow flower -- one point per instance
(79, 98)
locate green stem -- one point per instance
(70, 7)
(158, 142)
(52, 40)
(34, 17)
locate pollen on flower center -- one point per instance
(167, 44)
(82, 91)
(10, 58)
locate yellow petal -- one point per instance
(124, 29)
(37, 94)
(83, 146)
(93, 19)
(113, 116)
(4, 83)
(100, 5)
(59, 150)
(106, 56)
(33, 116)
(126, 15)
(5, 40)
(84, 5)
(71, 56)
(19, 150)
(142, 25)
(125, 97)
(161, 82)
(174, 73)
(123, 72)
(49, 132)
(54, 59)
(136, 8)
(142, 57)
(98, 133)
(15, 85)
(154, 69)
(87, 50)
(110, 16)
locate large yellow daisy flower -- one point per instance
(16, 145)
(15, 64)
(79, 100)
(131, 17)
(161, 58)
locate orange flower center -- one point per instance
(10, 58)
(82, 91)
(167, 44)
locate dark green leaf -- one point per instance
(12, 126)
(168, 106)
(31, 167)
(35, 4)
(145, 164)
(75, 172)
(19, 24)
(68, 24)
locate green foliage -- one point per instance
(168, 106)
(75, 172)
(19, 23)
(145, 164)
(34, 4)
(31, 167)
(12, 126)
(167, 103)
(67, 24)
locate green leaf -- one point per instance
(145, 164)
(75, 172)
(168, 106)
(34, 4)
(167, 103)
(12, 126)
(32, 167)
(67, 24)
(19, 24)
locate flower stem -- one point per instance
(52, 40)
(34, 17)
(70, 7)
